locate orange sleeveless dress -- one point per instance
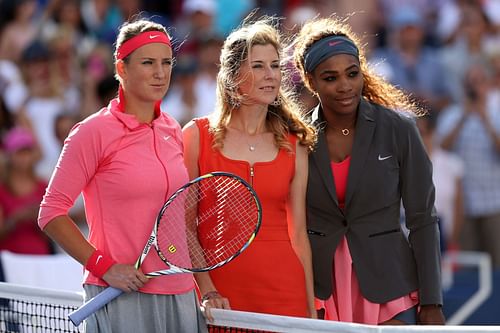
(267, 277)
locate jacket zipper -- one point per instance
(155, 144)
(251, 175)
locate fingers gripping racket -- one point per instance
(205, 224)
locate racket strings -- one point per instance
(226, 232)
(219, 223)
(207, 224)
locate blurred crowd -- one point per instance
(56, 69)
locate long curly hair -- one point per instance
(375, 88)
(283, 118)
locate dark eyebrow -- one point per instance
(353, 66)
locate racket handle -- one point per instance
(94, 304)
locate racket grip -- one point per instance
(94, 304)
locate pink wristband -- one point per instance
(99, 263)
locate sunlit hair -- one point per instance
(281, 119)
(375, 88)
(133, 28)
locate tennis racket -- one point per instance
(205, 224)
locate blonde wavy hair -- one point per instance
(375, 88)
(282, 119)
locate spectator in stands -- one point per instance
(295, 19)
(411, 65)
(208, 56)
(257, 132)
(427, 9)
(65, 17)
(197, 80)
(66, 69)
(199, 16)
(6, 123)
(447, 174)
(369, 157)
(17, 27)
(98, 66)
(471, 129)
(39, 99)
(470, 45)
(102, 18)
(107, 89)
(126, 159)
(494, 62)
(184, 101)
(20, 195)
(6, 118)
(64, 122)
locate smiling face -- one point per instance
(338, 81)
(260, 75)
(146, 74)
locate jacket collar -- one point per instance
(130, 120)
(117, 108)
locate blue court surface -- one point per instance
(465, 284)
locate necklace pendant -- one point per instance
(345, 132)
(251, 148)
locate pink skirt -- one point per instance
(348, 304)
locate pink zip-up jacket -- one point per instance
(126, 171)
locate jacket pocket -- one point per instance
(385, 232)
(316, 233)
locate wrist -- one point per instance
(99, 263)
(209, 295)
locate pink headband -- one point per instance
(141, 39)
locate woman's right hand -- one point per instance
(211, 300)
(125, 277)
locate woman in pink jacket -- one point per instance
(126, 159)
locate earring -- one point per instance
(276, 102)
(234, 102)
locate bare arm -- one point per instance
(297, 227)
(65, 233)
(191, 139)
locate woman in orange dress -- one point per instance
(257, 132)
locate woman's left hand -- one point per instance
(211, 300)
(431, 315)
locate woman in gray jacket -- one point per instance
(369, 158)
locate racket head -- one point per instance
(208, 222)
